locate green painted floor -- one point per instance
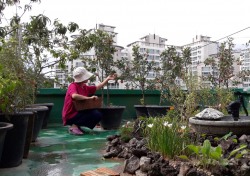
(57, 153)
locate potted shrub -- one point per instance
(136, 72)
(6, 85)
(168, 74)
(15, 96)
(38, 43)
(25, 49)
(18, 87)
(181, 85)
(105, 65)
(42, 41)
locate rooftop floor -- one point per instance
(57, 153)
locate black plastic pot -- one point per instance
(40, 112)
(141, 111)
(46, 117)
(29, 135)
(157, 111)
(112, 117)
(4, 127)
(13, 148)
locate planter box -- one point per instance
(47, 115)
(40, 112)
(4, 127)
(141, 111)
(14, 142)
(88, 104)
(157, 111)
(112, 117)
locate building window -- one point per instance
(247, 55)
(113, 85)
(205, 74)
(150, 57)
(205, 69)
(157, 58)
(79, 64)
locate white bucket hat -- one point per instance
(80, 74)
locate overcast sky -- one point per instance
(176, 20)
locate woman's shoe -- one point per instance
(75, 131)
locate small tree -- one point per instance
(104, 63)
(16, 85)
(31, 45)
(41, 41)
(171, 71)
(180, 83)
(137, 71)
(222, 65)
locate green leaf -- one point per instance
(244, 152)
(184, 157)
(216, 139)
(235, 141)
(194, 148)
(238, 156)
(226, 136)
(224, 162)
(216, 153)
(236, 150)
(206, 147)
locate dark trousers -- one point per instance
(88, 118)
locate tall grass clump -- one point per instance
(166, 135)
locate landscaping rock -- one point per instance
(132, 165)
(210, 114)
(140, 173)
(195, 172)
(139, 152)
(141, 161)
(145, 164)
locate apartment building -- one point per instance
(153, 45)
(201, 48)
(245, 65)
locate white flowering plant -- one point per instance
(167, 136)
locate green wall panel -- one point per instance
(127, 98)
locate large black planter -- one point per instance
(29, 135)
(141, 111)
(13, 148)
(46, 117)
(4, 127)
(157, 111)
(40, 112)
(112, 117)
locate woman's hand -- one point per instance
(94, 97)
(112, 77)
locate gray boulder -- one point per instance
(210, 114)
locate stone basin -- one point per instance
(221, 127)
